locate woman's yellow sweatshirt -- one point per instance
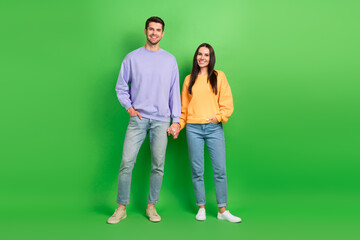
(203, 104)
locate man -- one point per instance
(148, 88)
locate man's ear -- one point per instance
(145, 31)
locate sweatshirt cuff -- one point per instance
(182, 125)
(127, 106)
(176, 120)
(218, 117)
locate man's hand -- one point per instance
(133, 112)
(213, 120)
(174, 130)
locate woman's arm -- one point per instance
(225, 100)
(185, 99)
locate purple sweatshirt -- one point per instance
(149, 82)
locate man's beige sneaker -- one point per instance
(118, 215)
(152, 214)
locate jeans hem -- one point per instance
(151, 202)
(123, 203)
(200, 204)
(222, 205)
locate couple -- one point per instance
(148, 87)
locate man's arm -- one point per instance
(122, 85)
(174, 101)
(122, 88)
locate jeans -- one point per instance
(134, 137)
(213, 134)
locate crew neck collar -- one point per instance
(147, 50)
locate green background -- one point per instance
(292, 143)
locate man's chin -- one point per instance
(153, 43)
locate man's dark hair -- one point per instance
(154, 19)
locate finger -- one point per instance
(139, 115)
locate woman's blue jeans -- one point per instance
(213, 135)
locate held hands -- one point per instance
(133, 112)
(213, 119)
(174, 130)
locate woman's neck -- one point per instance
(203, 71)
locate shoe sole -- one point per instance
(154, 221)
(151, 220)
(228, 220)
(118, 221)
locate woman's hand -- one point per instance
(174, 130)
(213, 119)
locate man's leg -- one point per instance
(158, 142)
(135, 135)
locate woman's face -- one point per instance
(203, 57)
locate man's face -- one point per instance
(154, 33)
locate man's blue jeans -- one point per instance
(134, 137)
(213, 134)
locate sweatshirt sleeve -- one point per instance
(225, 100)
(122, 85)
(185, 99)
(174, 98)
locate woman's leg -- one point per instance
(216, 144)
(195, 139)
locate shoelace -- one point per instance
(117, 212)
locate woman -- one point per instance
(206, 102)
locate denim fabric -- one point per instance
(134, 137)
(213, 135)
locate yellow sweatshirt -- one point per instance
(203, 104)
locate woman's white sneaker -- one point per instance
(228, 216)
(201, 215)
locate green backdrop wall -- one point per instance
(292, 142)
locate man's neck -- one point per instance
(151, 47)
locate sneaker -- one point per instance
(152, 214)
(201, 215)
(228, 216)
(118, 215)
